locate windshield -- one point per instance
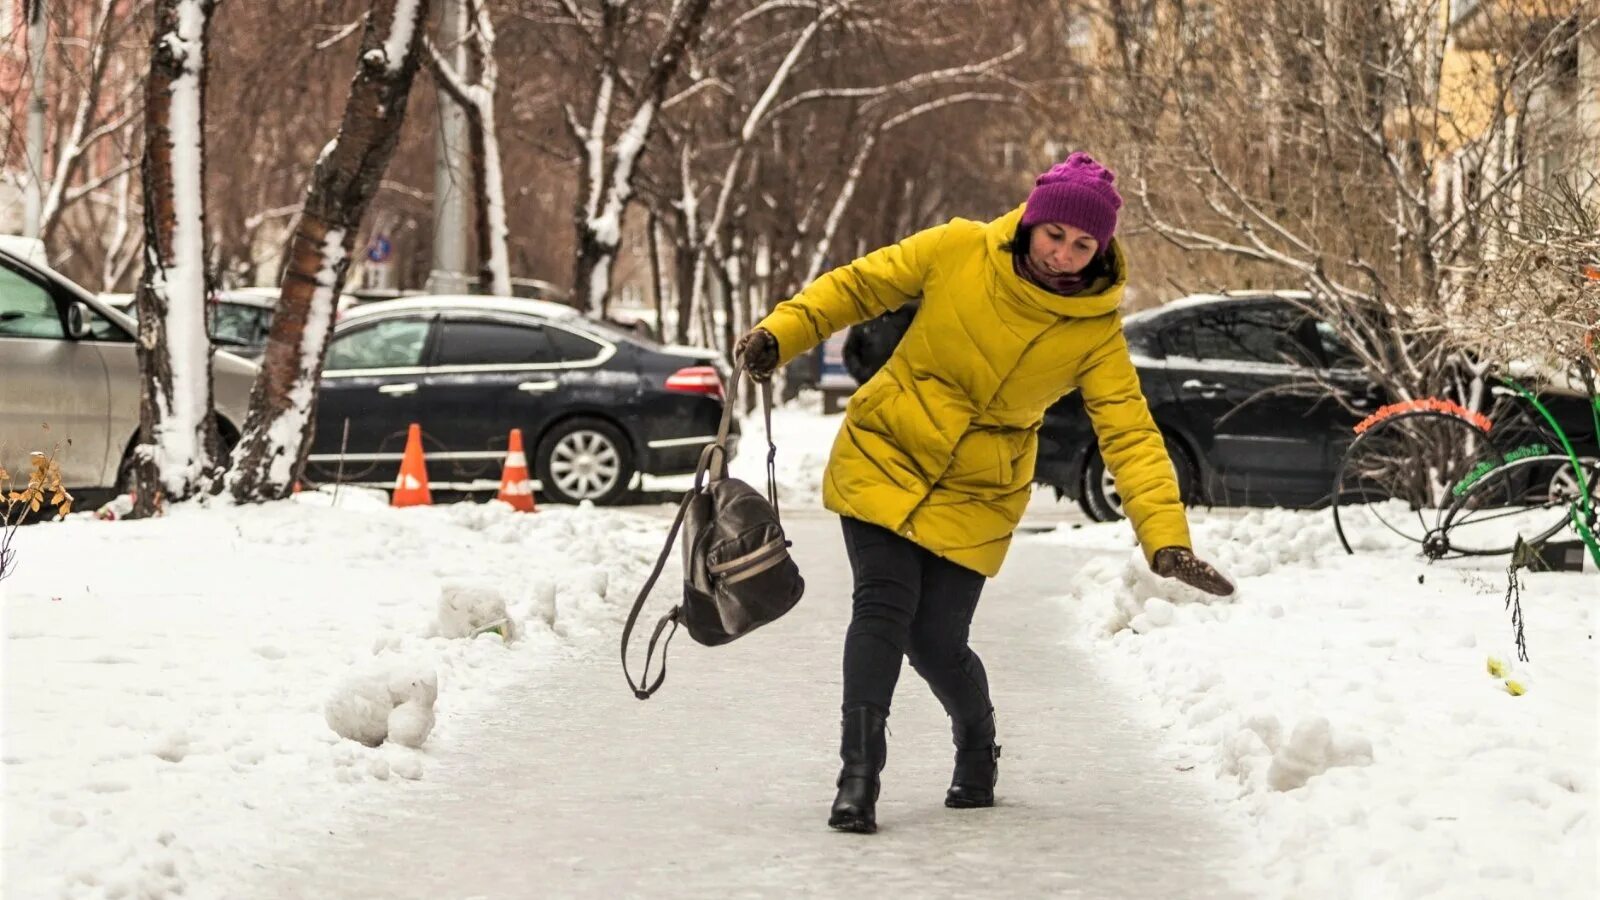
(608, 328)
(239, 325)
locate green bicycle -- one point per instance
(1449, 480)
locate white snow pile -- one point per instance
(385, 701)
(467, 610)
(1363, 713)
(181, 692)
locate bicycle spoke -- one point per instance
(1518, 511)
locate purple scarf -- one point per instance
(1064, 285)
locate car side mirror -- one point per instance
(78, 320)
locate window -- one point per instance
(240, 325)
(1258, 334)
(571, 347)
(27, 310)
(390, 344)
(102, 328)
(1335, 351)
(481, 343)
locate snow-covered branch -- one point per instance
(79, 137)
(338, 37)
(609, 166)
(830, 226)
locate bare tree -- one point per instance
(177, 432)
(91, 122)
(277, 430)
(94, 60)
(120, 252)
(476, 94)
(610, 160)
(1345, 159)
(1536, 301)
(774, 71)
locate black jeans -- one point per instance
(911, 602)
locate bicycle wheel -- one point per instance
(1398, 478)
(1529, 497)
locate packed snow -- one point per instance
(175, 688)
(178, 689)
(1349, 707)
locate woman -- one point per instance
(934, 464)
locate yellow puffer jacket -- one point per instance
(939, 445)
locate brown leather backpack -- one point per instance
(737, 571)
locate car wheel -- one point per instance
(1100, 500)
(584, 459)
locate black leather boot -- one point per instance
(977, 766)
(863, 750)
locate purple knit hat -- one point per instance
(1079, 192)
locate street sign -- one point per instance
(380, 249)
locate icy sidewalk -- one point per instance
(720, 786)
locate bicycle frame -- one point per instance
(1582, 510)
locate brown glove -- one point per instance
(1182, 564)
(757, 352)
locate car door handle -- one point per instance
(1205, 388)
(537, 387)
(397, 390)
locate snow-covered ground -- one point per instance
(167, 683)
(1346, 706)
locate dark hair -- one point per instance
(1020, 242)
(1099, 264)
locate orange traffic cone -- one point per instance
(515, 487)
(411, 487)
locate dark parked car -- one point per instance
(1234, 383)
(596, 404)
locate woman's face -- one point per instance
(1057, 249)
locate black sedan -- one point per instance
(596, 404)
(1239, 385)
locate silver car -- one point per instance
(69, 380)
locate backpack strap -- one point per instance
(640, 690)
(719, 467)
(772, 451)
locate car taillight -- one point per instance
(696, 380)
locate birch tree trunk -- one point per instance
(177, 433)
(658, 284)
(278, 430)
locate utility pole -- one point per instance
(451, 170)
(33, 197)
